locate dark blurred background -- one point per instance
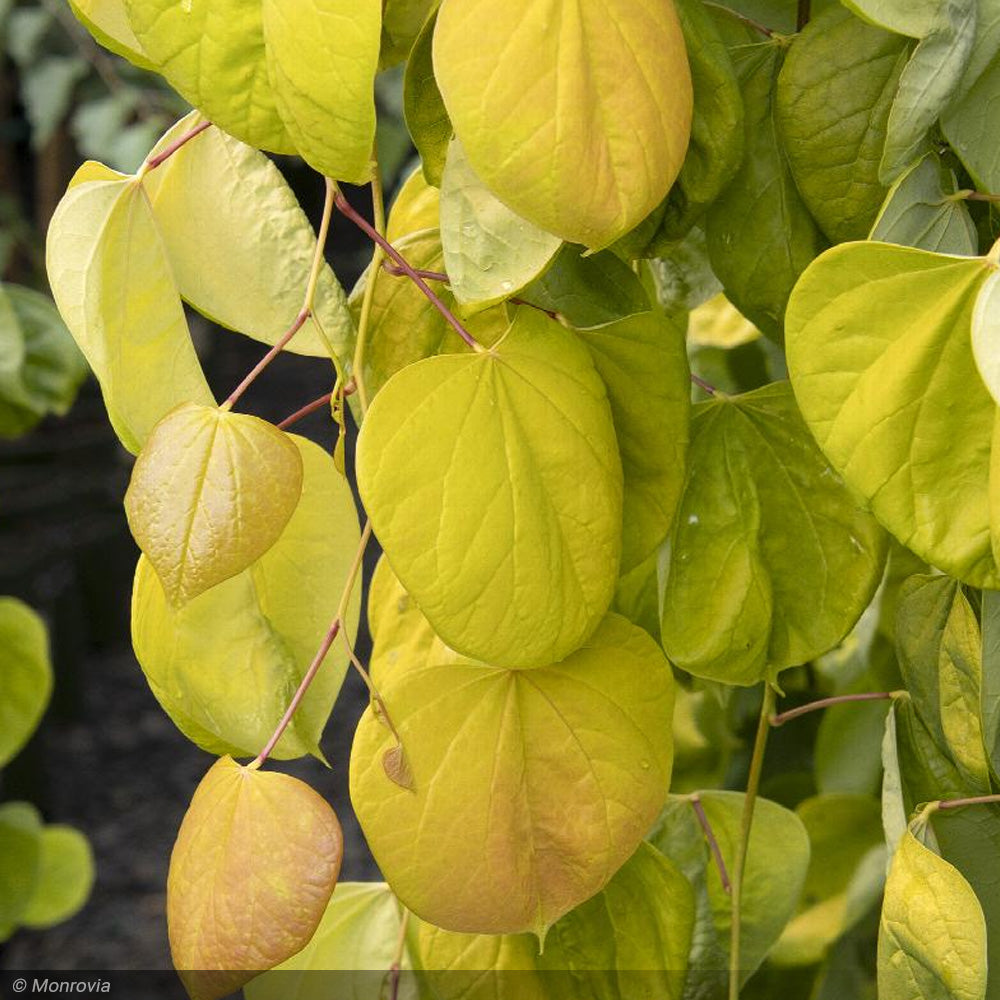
(106, 758)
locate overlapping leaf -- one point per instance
(481, 516)
(921, 211)
(20, 858)
(426, 116)
(631, 939)
(256, 859)
(760, 234)
(772, 560)
(490, 252)
(573, 758)
(26, 678)
(239, 244)
(225, 666)
(515, 97)
(107, 21)
(211, 492)
(284, 84)
(879, 351)
(778, 842)
(833, 98)
(932, 936)
(114, 286)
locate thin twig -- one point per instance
(344, 206)
(703, 385)
(840, 699)
(316, 404)
(397, 272)
(975, 800)
(279, 346)
(153, 162)
(368, 299)
(720, 861)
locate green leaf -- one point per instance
(501, 758)
(989, 706)
(40, 366)
(894, 821)
(915, 18)
(847, 755)
(65, 877)
(358, 933)
(415, 207)
(225, 666)
(760, 234)
(629, 940)
(928, 82)
(970, 123)
(717, 139)
(529, 577)
(588, 289)
(240, 246)
(515, 99)
(47, 90)
(490, 252)
(401, 24)
(256, 859)
(778, 843)
(643, 363)
(210, 493)
(107, 21)
(986, 343)
(683, 278)
(103, 241)
(939, 648)
(321, 58)
(932, 936)
(214, 56)
(878, 350)
(740, 600)
(919, 211)
(26, 678)
(843, 829)
(832, 105)
(426, 116)
(20, 860)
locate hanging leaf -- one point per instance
(211, 492)
(832, 104)
(226, 665)
(778, 843)
(65, 877)
(401, 24)
(240, 246)
(480, 515)
(920, 211)
(426, 116)
(107, 21)
(114, 287)
(40, 366)
(971, 121)
(256, 859)
(932, 936)
(740, 601)
(321, 59)
(573, 757)
(20, 859)
(939, 648)
(26, 678)
(759, 232)
(630, 939)
(490, 252)
(894, 812)
(586, 185)
(848, 755)
(643, 363)
(358, 934)
(878, 349)
(588, 289)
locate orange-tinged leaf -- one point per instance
(254, 865)
(210, 493)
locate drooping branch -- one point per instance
(840, 699)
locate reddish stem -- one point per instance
(267, 359)
(301, 692)
(703, 385)
(840, 699)
(316, 404)
(345, 208)
(976, 800)
(175, 145)
(720, 862)
(396, 271)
